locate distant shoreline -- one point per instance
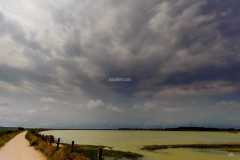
(202, 129)
(196, 146)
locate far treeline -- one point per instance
(183, 129)
(140, 129)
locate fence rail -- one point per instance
(51, 140)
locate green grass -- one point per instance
(5, 136)
(3, 129)
(80, 152)
(194, 146)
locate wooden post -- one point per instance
(58, 142)
(51, 139)
(72, 146)
(100, 154)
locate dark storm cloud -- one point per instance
(151, 42)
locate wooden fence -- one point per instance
(51, 140)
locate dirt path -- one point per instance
(18, 149)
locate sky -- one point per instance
(128, 63)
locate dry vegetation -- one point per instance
(51, 152)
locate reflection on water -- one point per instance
(134, 140)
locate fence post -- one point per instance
(51, 139)
(72, 146)
(58, 142)
(100, 154)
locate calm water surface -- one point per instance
(134, 140)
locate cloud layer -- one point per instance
(171, 60)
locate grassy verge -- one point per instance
(80, 152)
(91, 151)
(50, 151)
(5, 136)
(194, 146)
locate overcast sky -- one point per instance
(127, 63)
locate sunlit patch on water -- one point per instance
(231, 155)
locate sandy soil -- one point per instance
(18, 149)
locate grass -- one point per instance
(5, 136)
(91, 151)
(194, 146)
(80, 152)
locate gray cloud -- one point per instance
(143, 40)
(187, 49)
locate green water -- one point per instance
(134, 140)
